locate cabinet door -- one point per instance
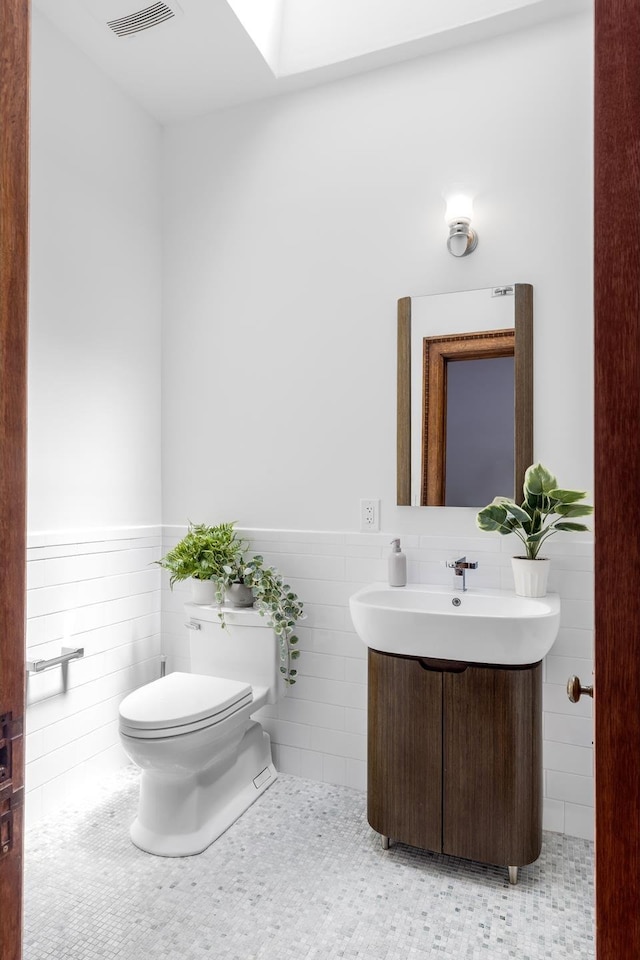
(405, 751)
(492, 790)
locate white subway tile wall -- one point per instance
(98, 590)
(319, 729)
(101, 591)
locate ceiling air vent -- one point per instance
(141, 20)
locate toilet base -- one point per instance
(180, 816)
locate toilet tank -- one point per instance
(245, 649)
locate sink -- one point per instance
(486, 626)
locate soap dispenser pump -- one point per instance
(397, 566)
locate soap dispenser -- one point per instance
(397, 566)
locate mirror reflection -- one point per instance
(480, 433)
(465, 391)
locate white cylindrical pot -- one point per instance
(530, 576)
(203, 591)
(239, 595)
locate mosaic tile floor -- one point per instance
(300, 875)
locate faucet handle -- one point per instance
(462, 564)
(459, 568)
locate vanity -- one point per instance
(455, 718)
(455, 677)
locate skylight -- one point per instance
(294, 36)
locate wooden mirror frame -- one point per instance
(432, 487)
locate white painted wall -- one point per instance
(94, 347)
(291, 229)
(292, 226)
(94, 416)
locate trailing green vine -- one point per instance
(216, 553)
(274, 599)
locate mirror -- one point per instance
(465, 396)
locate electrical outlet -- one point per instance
(369, 515)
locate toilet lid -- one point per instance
(182, 700)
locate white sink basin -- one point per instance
(488, 626)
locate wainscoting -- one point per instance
(97, 590)
(319, 729)
(100, 590)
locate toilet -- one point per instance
(204, 760)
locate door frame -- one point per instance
(617, 470)
(617, 455)
(14, 185)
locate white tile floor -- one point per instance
(301, 875)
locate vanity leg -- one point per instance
(513, 874)
(385, 843)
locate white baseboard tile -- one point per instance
(356, 774)
(311, 765)
(334, 769)
(553, 815)
(570, 787)
(286, 759)
(579, 821)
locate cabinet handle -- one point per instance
(575, 689)
(443, 666)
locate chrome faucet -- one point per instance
(460, 568)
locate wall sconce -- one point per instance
(462, 239)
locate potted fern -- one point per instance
(201, 556)
(547, 509)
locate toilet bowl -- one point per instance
(203, 758)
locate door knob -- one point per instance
(575, 689)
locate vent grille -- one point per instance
(141, 20)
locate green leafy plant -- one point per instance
(203, 553)
(274, 599)
(533, 521)
(217, 553)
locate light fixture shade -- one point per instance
(459, 207)
(462, 240)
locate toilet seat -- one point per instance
(181, 703)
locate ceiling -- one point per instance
(205, 55)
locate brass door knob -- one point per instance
(575, 689)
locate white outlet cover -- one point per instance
(369, 516)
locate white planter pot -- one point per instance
(203, 591)
(239, 595)
(530, 576)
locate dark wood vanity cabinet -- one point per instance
(455, 757)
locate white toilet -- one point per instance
(203, 759)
